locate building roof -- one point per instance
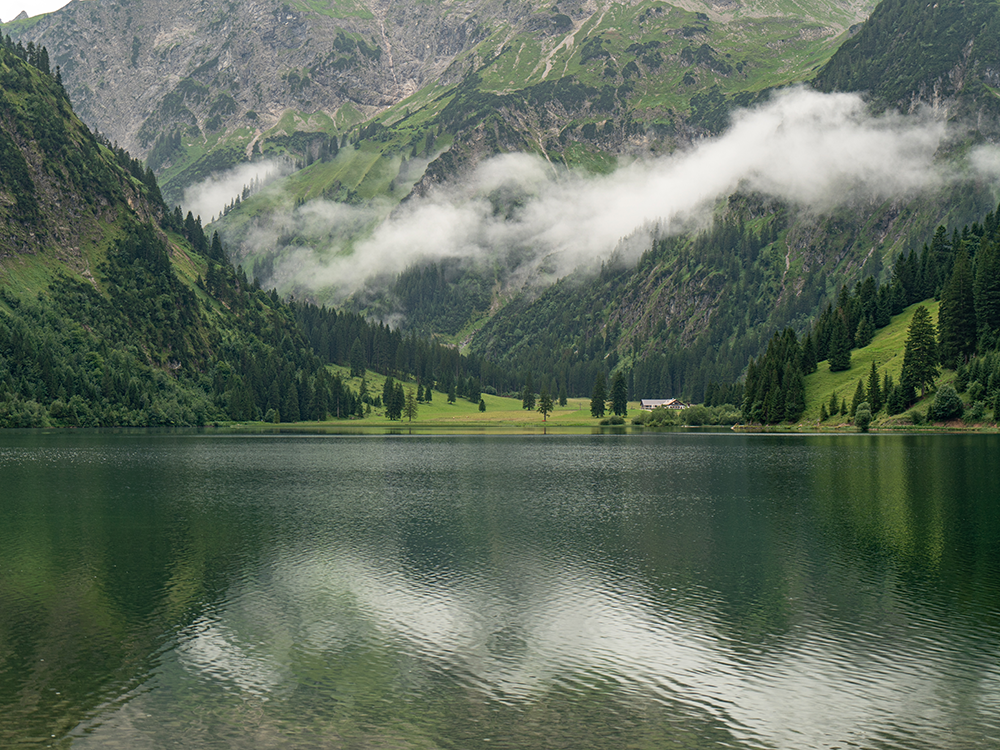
(668, 403)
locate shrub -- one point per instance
(863, 416)
(975, 413)
(947, 405)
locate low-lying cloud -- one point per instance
(814, 151)
(209, 198)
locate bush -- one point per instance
(975, 413)
(696, 416)
(863, 416)
(615, 420)
(947, 405)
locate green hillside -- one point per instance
(115, 311)
(886, 351)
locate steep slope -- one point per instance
(114, 311)
(910, 53)
(208, 84)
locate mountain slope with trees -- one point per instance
(115, 311)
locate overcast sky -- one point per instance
(10, 8)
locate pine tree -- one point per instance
(823, 416)
(920, 357)
(834, 404)
(808, 355)
(544, 403)
(619, 395)
(357, 359)
(562, 394)
(795, 393)
(598, 396)
(410, 407)
(859, 397)
(387, 392)
(957, 315)
(874, 391)
(865, 333)
(986, 292)
(840, 346)
(482, 405)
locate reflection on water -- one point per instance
(592, 591)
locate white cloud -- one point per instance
(813, 150)
(209, 198)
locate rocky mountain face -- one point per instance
(212, 80)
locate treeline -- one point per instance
(587, 324)
(145, 353)
(962, 271)
(351, 340)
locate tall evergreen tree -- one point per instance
(410, 408)
(808, 355)
(986, 293)
(598, 396)
(544, 403)
(920, 357)
(387, 393)
(795, 392)
(874, 390)
(357, 359)
(619, 395)
(957, 315)
(840, 346)
(859, 397)
(865, 333)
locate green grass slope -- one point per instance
(886, 351)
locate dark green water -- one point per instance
(607, 591)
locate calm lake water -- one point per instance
(601, 591)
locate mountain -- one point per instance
(114, 310)
(205, 85)
(391, 120)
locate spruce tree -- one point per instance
(795, 393)
(957, 315)
(598, 396)
(874, 390)
(859, 397)
(544, 403)
(986, 292)
(920, 357)
(865, 333)
(410, 408)
(357, 359)
(619, 395)
(840, 346)
(808, 355)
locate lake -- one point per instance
(670, 590)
